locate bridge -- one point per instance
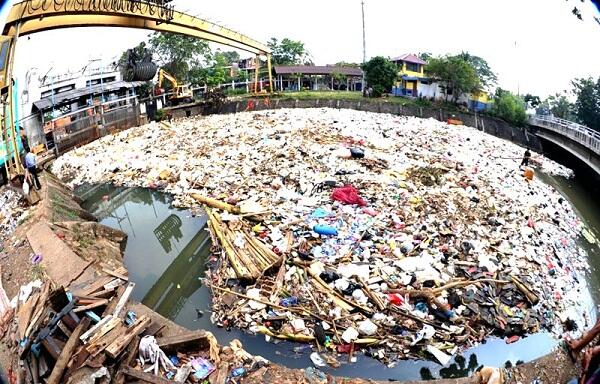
(579, 140)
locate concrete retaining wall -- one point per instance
(522, 136)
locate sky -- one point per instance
(535, 46)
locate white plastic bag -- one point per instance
(26, 187)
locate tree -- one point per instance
(380, 74)
(179, 54)
(532, 101)
(425, 56)
(486, 76)
(230, 57)
(457, 75)
(289, 52)
(345, 64)
(587, 105)
(509, 107)
(560, 106)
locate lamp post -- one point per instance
(364, 88)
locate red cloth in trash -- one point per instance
(348, 195)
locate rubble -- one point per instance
(361, 231)
(13, 211)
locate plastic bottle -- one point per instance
(289, 301)
(325, 230)
(238, 372)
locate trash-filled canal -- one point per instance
(168, 251)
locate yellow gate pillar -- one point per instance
(269, 68)
(256, 69)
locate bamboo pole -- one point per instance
(214, 203)
(239, 269)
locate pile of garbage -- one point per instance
(398, 236)
(85, 332)
(12, 212)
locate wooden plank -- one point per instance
(110, 308)
(97, 304)
(24, 314)
(103, 342)
(145, 377)
(132, 351)
(92, 330)
(105, 293)
(118, 345)
(67, 352)
(93, 287)
(107, 327)
(190, 340)
(123, 299)
(116, 273)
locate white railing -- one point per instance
(576, 132)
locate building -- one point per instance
(61, 103)
(411, 75)
(413, 82)
(314, 77)
(479, 101)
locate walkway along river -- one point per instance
(168, 250)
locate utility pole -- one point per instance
(364, 88)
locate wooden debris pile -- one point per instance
(248, 256)
(86, 333)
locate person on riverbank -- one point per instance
(526, 158)
(590, 361)
(31, 165)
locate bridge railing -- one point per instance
(577, 132)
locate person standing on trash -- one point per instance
(526, 158)
(31, 165)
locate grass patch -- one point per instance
(37, 272)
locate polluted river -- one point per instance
(506, 253)
(169, 250)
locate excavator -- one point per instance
(182, 94)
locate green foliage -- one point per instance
(509, 107)
(160, 115)
(380, 74)
(560, 106)
(457, 75)
(346, 64)
(587, 105)
(289, 52)
(425, 56)
(484, 72)
(179, 54)
(229, 57)
(532, 101)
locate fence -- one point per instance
(576, 132)
(98, 121)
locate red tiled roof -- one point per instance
(318, 70)
(409, 58)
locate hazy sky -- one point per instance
(537, 46)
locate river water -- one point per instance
(167, 252)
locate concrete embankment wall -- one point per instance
(524, 136)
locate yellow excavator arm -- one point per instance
(162, 75)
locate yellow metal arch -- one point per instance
(42, 15)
